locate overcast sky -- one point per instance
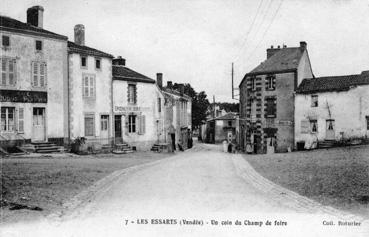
(196, 41)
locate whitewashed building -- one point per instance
(90, 92)
(332, 108)
(138, 107)
(33, 81)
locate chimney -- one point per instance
(272, 51)
(303, 45)
(181, 89)
(79, 34)
(169, 85)
(35, 16)
(159, 79)
(119, 61)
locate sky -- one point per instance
(196, 41)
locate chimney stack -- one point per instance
(119, 61)
(79, 34)
(159, 79)
(169, 84)
(272, 51)
(303, 45)
(35, 16)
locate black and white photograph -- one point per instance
(184, 118)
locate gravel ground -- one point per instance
(337, 177)
(48, 181)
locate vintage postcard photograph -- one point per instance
(184, 118)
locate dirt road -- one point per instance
(200, 192)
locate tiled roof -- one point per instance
(284, 59)
(334, 83)
(81, 49)
(125, 74)
(174, 92)
(228, 116)
(10, 24)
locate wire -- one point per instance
(249, 30)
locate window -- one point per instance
(132, 123)
(159, 105)
(314, 101)
(39, 74)
(88, 86)
(313, 126)
(98, 63)
(229, 123)
(253, 110)
(132, 94)
(253, 83)
(38, 45)
(6, 41)
(305, 126)
(271, 107)
(104, 122)
(7, 119)
(83, 61)
(8, 72)
(367, 122)
(89, 125)
(21, 120)
(270, 82)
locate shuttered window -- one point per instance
(20, 120)
(89, 125)
(132, 123)
(88, 87)
(7, 119)
(39, 70)
(8, 72)
(132, 94)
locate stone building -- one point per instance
(33, 83)
(138, 106)
(90, 92)
(332, 109)
(267, 100)
(178, 115)
(222, 128)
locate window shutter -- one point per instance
(42, 73)
(45, 74)
(21, 120)
(305, 125)
(35, 74)
(135, 94)
(142, 124)
(92, 86)
(125, 124)
(3, 71)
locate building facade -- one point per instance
(33, 84)
(138, 107)
(178, 116)
(332, 108)
(267, 100)
(90, 92)
(222, 128)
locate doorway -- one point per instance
(38, 129)
(104, 129)
(118, 128)
(330, 133)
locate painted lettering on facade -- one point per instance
(23, 96)
(125, 109)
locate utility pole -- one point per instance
(232, 84)
(213, 106)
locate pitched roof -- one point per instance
(126, 74)
(283, 60)
(228, 116)
(13, 25)
(175, 92)
(81, 49)
(333, 83)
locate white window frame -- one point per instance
(132, 95)
(9, 127)
(39, 79)
(104, 122)
(5, 63)
(312, 121)
(88, 86)
(132, 123)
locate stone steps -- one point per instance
(122, 148)
(326, 144)
(46, 147)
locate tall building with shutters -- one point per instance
(90, 92)
(138, 107)
(33, 81)
(267, 100)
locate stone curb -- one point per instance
(286, 196)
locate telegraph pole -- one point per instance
(232, 83)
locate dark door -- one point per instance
(118, 125)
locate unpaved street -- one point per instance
(202, 184)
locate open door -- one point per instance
(38, 130)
